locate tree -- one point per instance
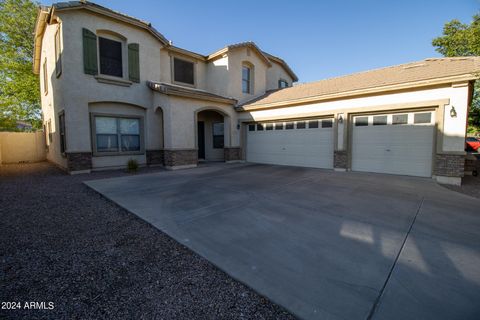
(19, 87)
(460, 39)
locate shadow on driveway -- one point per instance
(320, 243)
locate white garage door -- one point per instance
(394, 143)
(297, 143)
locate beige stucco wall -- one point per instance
(235, 61)
(18, 147)
(180, 116)
(77, 90)
(453, 129)
(52, 101)
(275, 73)
(218, 77)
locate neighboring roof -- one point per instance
(176, 90)
(248, 44)
(427, 72)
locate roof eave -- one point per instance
(284, 65)
(186, 93)
(225, 50)
(118, 16)
(40, 24)
(188, 53)
(352, 93)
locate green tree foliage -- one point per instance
(460, 39)
(19, 87)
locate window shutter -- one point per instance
(133, 62)
(89, 52)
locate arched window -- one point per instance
(111, 53)
(247, 78)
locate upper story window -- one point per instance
(246, 79)
(183, 71)
(110, 56)
(58, 54)
(282, 84)
(45, 77)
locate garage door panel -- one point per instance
(397, 149)
(296, 147)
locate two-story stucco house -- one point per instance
(113, 88)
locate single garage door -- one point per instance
(399, 143)
(306, 143)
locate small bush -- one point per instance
(132, 165)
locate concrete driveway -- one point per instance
(324, 245)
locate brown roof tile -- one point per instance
(428, 69)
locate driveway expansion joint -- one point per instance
(380, 294)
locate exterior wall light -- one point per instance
(340, 119)
(453, 112)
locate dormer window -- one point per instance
(110, 53)
(282, 84)
(183, 71)
(246, 79)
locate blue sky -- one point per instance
(318, 39)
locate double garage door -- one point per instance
(297, 143)
(399, 143)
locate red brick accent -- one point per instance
(450, 165)
(174, 158)
(155, 157)
(232, 154)
(78, 161)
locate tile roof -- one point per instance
(248, 44)
(60, 6)
(177, 90)
(426, 71)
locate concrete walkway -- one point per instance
(324, 245)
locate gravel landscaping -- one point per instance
(64, 243)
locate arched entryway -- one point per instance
(211, 135)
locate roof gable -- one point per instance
(248, 44)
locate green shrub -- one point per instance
(132, 165)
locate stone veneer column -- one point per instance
(178, 159)
(232, 154)
(155, 157)
(449, 168)
(340, 160)
(79, 162)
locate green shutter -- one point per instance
(133, 62)
(89, 52)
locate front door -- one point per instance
(201, 139)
